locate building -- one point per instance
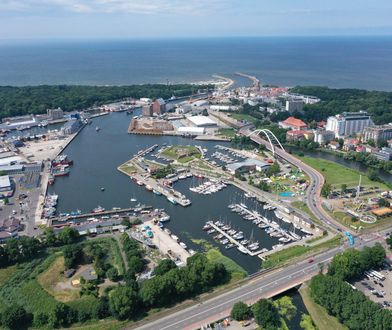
(349, 123)
(247, 165)
(293, 123)
(71, 126)
(377, 133)
(5, 183)
(323, 137)
(334, 145)
(202, 121)
(350, 144)
(190, 131)
(147, 110)
(55, 114)
(384, 154)
(294, 105)
(159, 106)
(299, 135)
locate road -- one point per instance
(313, 193)
(264, 286)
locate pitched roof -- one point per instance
(291, 121)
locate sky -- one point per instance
(109, 19)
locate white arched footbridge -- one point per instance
(270, 136)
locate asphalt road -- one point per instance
(262, 287)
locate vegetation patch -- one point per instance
(227, 132)
(321, 318)
(281, 257)
(182, 154)
(304, 208)
(336, 174)
(128, 168)
(231, 266)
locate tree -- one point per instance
(73, 254)
(68, 235)
(273, 169)
(307, 322)
(164, 266)
(382, 202)
(50, 236)
(343, 188)
(61, 315)
(15, 317)
(240, 311)
(286, 307)
(112, 274)
(124, 302)
(326, 190)
(372, 175)
(266, 314)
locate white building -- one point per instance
(5, 183)
(323, 137)
(349, 123)
(202, 121)
(194, 131)
(294, 105)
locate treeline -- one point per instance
(16, 101)
(351, 307)
(334, 101)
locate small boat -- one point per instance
(174, 237)
(242, 250)
(160, 224)
(191, 252)
(229, 246)
(211, 231)
(172, 200)
(97, 128)
(139, 183)
(149, 188)
(98, 209)
(133, 200)
(156, 192)
(165, 218)
(183, 245)
(102, 189)
(167, 230)
(206, 226)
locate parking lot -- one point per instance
(379, 291)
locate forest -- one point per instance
(17, 101)
(333, 101)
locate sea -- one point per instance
(354, 62)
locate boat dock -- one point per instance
(108, 213)
(234, 241)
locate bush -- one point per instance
(266, 314)
(112, 274)
(240, 311)
(15, 317)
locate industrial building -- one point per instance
(55, 114)
(190, 131)
(159, 107)
(71, 126)
(202, 121)
(349, 123)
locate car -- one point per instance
(310, 260)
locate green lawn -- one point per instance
(183, 154)
(128, 168)
(236, 270)
(320, 317)
(337, 174)
(6, 273)
(227, 132)
(286, 255)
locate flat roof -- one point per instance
(201, 120)
(247, 162)
(5, 181)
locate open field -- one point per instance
(182, 154)
(336, 174)
(227, 132)
(320, 317)
(281, 257)
(241, 116)
(6, 273)
(128, 168)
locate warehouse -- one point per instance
(193, 131)
(247, 165)
(202, 121)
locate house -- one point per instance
(334, 145)
(350, 144)
(293, 123)
(299, 135)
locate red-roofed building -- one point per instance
(299, 135)
(321, 124)
(294, 124)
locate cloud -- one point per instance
(148, 7)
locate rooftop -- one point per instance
(201, 120)
(5, 181)
(291, 121)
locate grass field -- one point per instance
(320, 317)
(128, 168)
(6, 273)
(336, 174)
(182, 154)
(281, 257)
(216, 256)
(241, 116)
(304, 208)
(54, 275)
(227, 132)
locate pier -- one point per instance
(85, 216)
(256, 82)
(234, 241)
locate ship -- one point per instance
(62, 170)
(172, 200)
(61, 160)
(98, 209)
